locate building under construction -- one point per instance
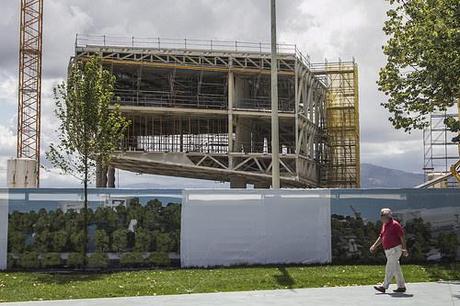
(201, 109)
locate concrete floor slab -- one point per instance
(420, 294)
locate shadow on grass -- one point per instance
(65, 278)
(284, 279)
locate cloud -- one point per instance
(328, 28)
(8, 88)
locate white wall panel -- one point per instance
(3, 229)
(235, 227)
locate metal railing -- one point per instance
(166, 99)
(88, 40)
(285, 104)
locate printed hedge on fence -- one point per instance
(145, 235)
(134, 235)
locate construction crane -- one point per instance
(355, 212)
(30, 74)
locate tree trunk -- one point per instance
(85, 213)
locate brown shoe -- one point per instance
(400, 290)
(380, 289)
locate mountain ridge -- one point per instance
(373, 176)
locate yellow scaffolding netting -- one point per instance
(342, 126)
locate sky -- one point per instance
(329, 29)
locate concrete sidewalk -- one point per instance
(420, 294)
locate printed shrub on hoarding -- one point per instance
(98, 260)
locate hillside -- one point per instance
(380, 177)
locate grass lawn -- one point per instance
(20, 286)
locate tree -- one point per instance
(102, 241)
(91, 125)
(164, 242)
(448, 244)
(119, 240)
(143, 240)
(59, 242)
(152, 215)
(423, 61)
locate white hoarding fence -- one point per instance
(239, 227)
(3, 230)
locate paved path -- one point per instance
(420, 294)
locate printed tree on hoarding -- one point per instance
(423, 61)
(91, 125)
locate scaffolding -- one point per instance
(440, 153)
(342, 154)
(202, 109)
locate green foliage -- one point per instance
(56, 219)
(12, 261)
(16, 241)
(171, 217)
(159, 259)
(91, 124)
(42, 240)
(60, 239)
(52, 232)
(106, 218)
(164, 242)
(133, 259)
(418, 239)
(98, 260)
(51, 260)
(119, 240)
(448, 244)
(102, 241)
(77, 240)
(152, 215)
(76, 260)
(352, 238)
(143, 240)
(423, 60)
(29, 260)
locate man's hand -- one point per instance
(405, 253)
(373, 249)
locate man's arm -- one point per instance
(404, 247)
(376, 244)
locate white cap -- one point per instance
(386, 212)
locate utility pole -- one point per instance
(274, 94)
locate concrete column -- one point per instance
(297, 121)
(231, 95)
(243, 134)
(181, 149)
(22, 173)
(99, 176)
(111, 177)
(274, 99)
(104, 177)
(237, 182)
(3, 231)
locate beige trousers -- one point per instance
(393, 269)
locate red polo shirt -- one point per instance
(391, 234)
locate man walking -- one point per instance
(393, 242)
